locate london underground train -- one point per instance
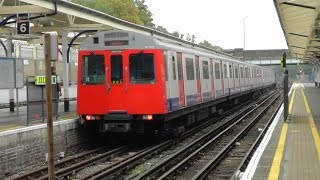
(131, 82)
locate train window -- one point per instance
(174, 68)
(116, 69)
(225, 71)
(190, 69)
(217, 70)
(93, 69)
(141, 68)
(236, 71)
(230, 71)
(205, 69)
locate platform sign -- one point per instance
(23, 27)
(11, 73)
(41, 80)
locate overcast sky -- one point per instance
(221, 21)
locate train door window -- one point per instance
(190, 69)
(236, 71)
(230, 71)
(225, 71)
(246, 72)
(93, 69)
(166, 66)
(174, 68)
(253, 74)
(241, 72)
(141, 68)
(217, 70)
(116, 69)
(211, 69)
(180, 77)
(205, 69)
(197, 69)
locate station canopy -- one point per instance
(58, 16)
(300, 23)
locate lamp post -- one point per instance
(244, 32)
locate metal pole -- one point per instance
(9, 55)
(49, 106)
(65, 56)
(285, 91)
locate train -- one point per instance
(130, 82)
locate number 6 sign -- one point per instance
(23, 27)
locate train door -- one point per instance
(212, 78)
(242, 85)
(117, 82)
(182, 101)
(190, 79)
(218, 84)
(236, 77)
(225, 78)
(198, 79)
(92, 82)
(206, 87)
(231, 80)
(172, 81)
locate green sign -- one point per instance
(41, 80)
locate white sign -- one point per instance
(11, 73)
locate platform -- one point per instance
(18, 119)
(293, 149)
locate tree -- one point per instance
(162, 29)
(122, 9)
(144, 14)
(207, 44)
(176, 34)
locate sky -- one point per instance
(222, 22)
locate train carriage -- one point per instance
(130, 82)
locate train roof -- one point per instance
(121, 39)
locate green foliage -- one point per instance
(133, 11)
(207, 44)
(144, 14)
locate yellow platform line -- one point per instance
(312, 125)
(275, 168)
(291, 101)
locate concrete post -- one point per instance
(64, 35)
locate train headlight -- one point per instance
(147, 117)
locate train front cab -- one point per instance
(120, 90)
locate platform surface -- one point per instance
(293, 152)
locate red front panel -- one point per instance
(147, 98)
(198, 80)
(91, 96)
(122, 92)
(182, 102)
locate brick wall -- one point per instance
(27, 147)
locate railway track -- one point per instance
(116, 163)
(65, 168)
(197, 160)
(123, 171)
